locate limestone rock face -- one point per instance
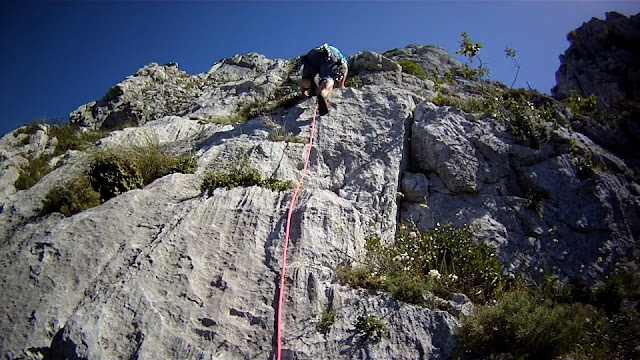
(604, 60)
(168, 271)
(478, 174)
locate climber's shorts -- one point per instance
(316, 62)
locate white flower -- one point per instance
(434, 274)
(453, 277)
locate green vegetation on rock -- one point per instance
(241, 175)
(444, 261)
(411, 67)
(557, 321)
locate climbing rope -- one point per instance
(286, 237)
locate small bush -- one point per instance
(327, 321)
(449, 77)
(528, 123)
(412, 68)
(447, 100)
(78, 196)
(582, 159)
(558, 321)
(69, 137)
(184, 165)
(274, 184)
(580, 105)
(354, 81)
(112, 175)
(30, 129)
(523, 326)
(534, 201)
(242, 175)
(35, 170)
(370, 327)
(471, 51)
(444, 261)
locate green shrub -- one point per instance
(35, 170)
(444, 261)
(449, 77)
(77, 196)
(447, 100)
(412, 68)
(582, 159)
(528, 123)
(558, 321)
(69, 137)
(241, 175)
(184, 165)
(29, 129)
(580, 105)
(523, 326)
(534, 201)
(112, 175)
(471, 51)
(354, 82)
(153, 162)
(327, 321)
(274, 184)
(231, 179)
(370, 327)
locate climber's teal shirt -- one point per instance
(335, 50)
(328, 62)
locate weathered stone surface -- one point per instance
(168, 272)
(415, 187)
(603, 60)
(429, 57)
(479, 175)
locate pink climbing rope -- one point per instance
(286, 237)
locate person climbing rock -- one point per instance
(332, 66)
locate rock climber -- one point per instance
(332, 66)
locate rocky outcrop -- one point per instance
(171, 272)
(478, 174)
(603, 59)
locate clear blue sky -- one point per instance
(56, 56)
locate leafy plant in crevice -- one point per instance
(447, 100)
(72, 198)
(581, 105)
(354, 81)
(449, 77)
(241, 175)
(436, 80)
(582, 160)
(327, 320)
(444, 261)
(534, 201)
(118, 170)
(412, 68)
(111, 175)
(370, 327)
